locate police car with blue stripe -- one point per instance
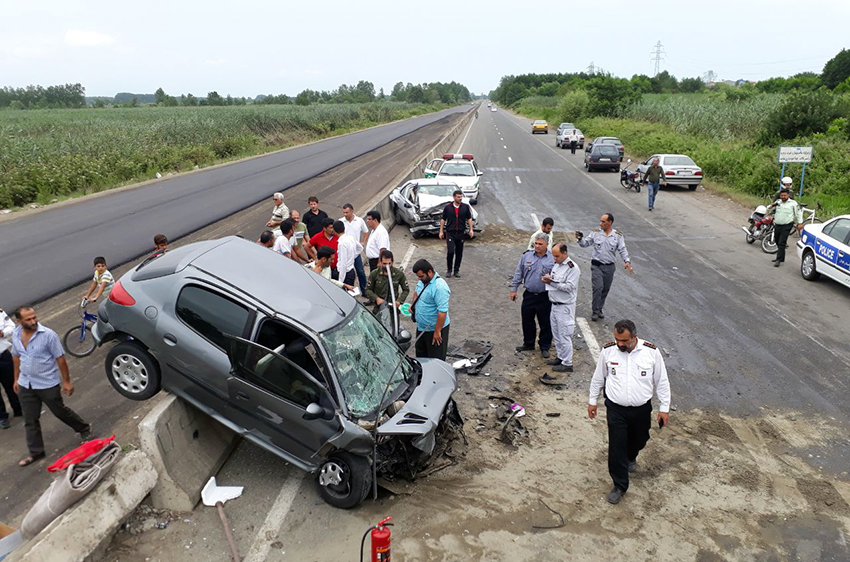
(825, 250)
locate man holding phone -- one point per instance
(630, 370)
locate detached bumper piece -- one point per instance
(471, 356)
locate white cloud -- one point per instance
(83, 38)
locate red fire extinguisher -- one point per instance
(381, 537)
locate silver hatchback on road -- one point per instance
(281, 356)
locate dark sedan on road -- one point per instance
(282, 357)
(608, 140)
(602, 157)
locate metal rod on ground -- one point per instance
(234, 553)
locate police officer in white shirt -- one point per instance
(607, 243)
(630, 370)
(562, 288)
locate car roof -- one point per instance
(431, 181)
(284, 286)
(606, 138)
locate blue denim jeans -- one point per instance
(361, 273)
(652, 190)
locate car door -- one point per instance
(831, 249)
(194, 357)
(269, 395)
(406, 203)
(433, 167)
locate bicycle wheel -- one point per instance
(79, 342)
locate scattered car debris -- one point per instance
(558, 513)
(549, 380)
(553, 415)
(471, 356)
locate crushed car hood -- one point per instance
(422, 412)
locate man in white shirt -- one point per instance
(545, 228)
(283, 243)
(356, 228)
(279, 214)
(630, 370)
(346, 254)
(322, 266)
(7, 371)
(379, 239)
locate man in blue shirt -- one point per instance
(431, 310)
(532, 266)
(39, 363)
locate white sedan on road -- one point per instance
(419, 204)
(460, 169)
(824, 249)
(678, 169)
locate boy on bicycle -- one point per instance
(102, 281)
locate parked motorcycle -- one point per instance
(630, 179)
(761, 228)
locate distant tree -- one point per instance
(159, 95)
(836, 70)
(607, 94)
(214, 98)
(641, 83)
(801, 114)
(16, 104)
(188, 100)
(808, 81)
(303, 98)
(664, 82)
(691, 85)
(381, 94)
(399, 92)
(99, 103)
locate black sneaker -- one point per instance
(4, 424)
(562, 369)
(544, 353)
(553, 362)
(615, 495)
(594, 317)
(457, 273)
(525, 348)
(599, 314)
(448, 274)
(86, 435)
(632, 466)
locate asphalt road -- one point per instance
(43, 253)
(742, 336)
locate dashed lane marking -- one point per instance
(407, 256)
(268, 532)
(510, 159)
(517, 179)
(589, 338)
(536, 220)
(505, 147)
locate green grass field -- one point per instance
(50, 154)
(720, 135)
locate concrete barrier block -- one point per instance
(85, 530)
(186, 447)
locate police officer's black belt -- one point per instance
(599, 263)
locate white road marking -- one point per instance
(268, 532)
(768, 303)
(505, 147)
(510, 159)
(517, 179)
(460, 148)
(536, 220)
(407, 256)
(589, 338)
(501, 138)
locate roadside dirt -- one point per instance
(709, 487)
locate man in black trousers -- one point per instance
(455, 226)
(630, 370)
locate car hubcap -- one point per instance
(808, 265)
(331, 475)
(130, 373)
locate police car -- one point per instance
(460, 169)
(825, 249)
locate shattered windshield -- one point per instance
(442, 190)
(457, 169)
(364, 355)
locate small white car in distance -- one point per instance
(679, 169)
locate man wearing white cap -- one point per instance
(279, 214)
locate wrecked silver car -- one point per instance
(419, 204)
(282, 357)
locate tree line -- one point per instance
(73, 96)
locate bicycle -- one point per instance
(77, 341)
(768, 244)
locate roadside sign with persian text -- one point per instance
(795, 154)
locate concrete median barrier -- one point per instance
(186, 447)
(84, 531)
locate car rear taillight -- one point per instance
(698, 173)
(669, 173)
(119, 295)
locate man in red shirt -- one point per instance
(325, 238)
(455, 225)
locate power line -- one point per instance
(658, 56)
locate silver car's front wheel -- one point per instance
(132, 371)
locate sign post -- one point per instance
(795, 155)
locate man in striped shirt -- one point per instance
(41, 376)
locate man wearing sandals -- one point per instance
(41, 376)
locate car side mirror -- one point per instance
(403, 337)
(315, 411)
(480, 173)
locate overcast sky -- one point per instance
(249, 47)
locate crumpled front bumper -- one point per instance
(423, 411)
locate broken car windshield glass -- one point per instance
(363, 355)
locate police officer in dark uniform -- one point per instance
(607, 243)
(532, 267)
